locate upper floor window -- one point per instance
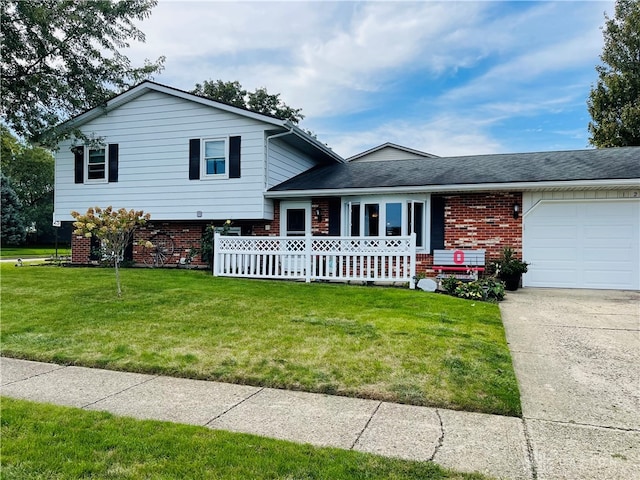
(96, 164)
(215, 158)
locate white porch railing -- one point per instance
(366, 259)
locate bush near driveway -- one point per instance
(382, 343)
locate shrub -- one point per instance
(486, 289)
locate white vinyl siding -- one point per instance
(388, 153)
(285, 162)
(153, 133)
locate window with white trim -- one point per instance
(96, 160)
(387, 217)
(215, 162)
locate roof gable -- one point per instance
(147, 86)
(389, 151)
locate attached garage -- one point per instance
(583, 243)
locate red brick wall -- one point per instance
(483, 220)
(472, 221)
(274, 230)
(320, 227)
(80, 249)
(479, 221)
(185, 235)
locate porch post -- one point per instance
(307, 258)
(215, 260)
(412, 261)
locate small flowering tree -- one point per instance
(113, 228)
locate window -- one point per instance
(371, 220)
(296, 225)
(393, 220)
(354, 217)
(96, 164)
(416, 221)
(215, 158)
(387, 217)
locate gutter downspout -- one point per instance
(266, 160)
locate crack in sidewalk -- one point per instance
(121, 391)
(580, 424)
(60, 367)
(373, 414)
(530, 454)
(206, 424)
(440, 440)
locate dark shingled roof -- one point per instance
(595, 164)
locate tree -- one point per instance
(113, 228)
(13, 231)
(31, 170)
(259, 101)
(614, 103)
(61, 57)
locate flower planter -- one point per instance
(511, 282)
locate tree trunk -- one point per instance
(116, 262)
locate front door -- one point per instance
(295, 219)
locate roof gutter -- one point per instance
(512, 186)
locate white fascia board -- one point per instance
(585, 184)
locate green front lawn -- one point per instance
(371, 342)
(49, 442)
(35, 251)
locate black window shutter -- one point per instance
(234, 157)
(437, 223)
(78, 153)
(194, 159)
(334, 216)
(113, 162)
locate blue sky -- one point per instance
(449, 78)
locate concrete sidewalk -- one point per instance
(464, 441)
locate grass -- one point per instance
(50, 442)
(370, 342)
(34, 251)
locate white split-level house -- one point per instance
(192, 162)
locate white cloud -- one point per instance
(445, 135)
(470, 65)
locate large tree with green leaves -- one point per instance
(12, 230)
(31, 171)
(60, 57)
(614, 103)
(260, 100)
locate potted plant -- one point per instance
(509, 269)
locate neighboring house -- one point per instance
(190, 162)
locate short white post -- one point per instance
(412, 261)
(307, 258)
(216, 261)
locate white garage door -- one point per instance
(583, 244)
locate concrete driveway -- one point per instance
(576, 355)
